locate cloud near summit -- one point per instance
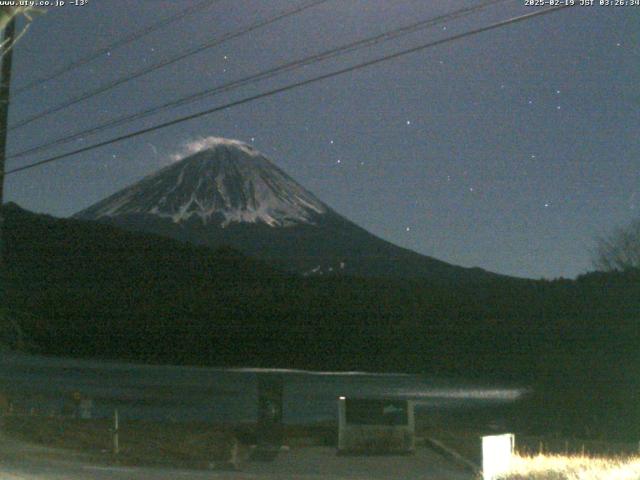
(191, 147)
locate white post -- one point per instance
(342, 422)
(497, 453)
(116, 443)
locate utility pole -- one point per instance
(5, 85)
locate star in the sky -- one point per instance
(408, 122)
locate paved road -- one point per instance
(24, 462)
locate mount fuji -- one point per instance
(228, 194)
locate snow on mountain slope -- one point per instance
(226, 181)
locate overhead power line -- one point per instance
(165, 22)
(291, 86)
(287, 67)
(145, 71)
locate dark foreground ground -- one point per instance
(26, 461)
(41, 447)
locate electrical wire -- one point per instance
(115, 45)
(181, 56)
(289, 66)
(291, 86)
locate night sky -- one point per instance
(510, 150)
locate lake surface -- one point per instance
(220, 394)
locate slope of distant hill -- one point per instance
(96, 290)
(99, 290)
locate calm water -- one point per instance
(216, 394)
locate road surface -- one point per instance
(20, 461)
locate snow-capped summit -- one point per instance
(218, 181)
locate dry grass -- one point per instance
(558, 467)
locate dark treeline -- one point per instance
(92, 290)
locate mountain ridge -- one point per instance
(229, 194)
(230, 179)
